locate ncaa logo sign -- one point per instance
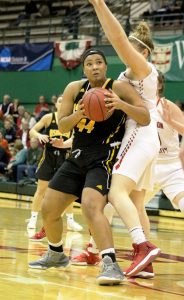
(162, 56)
(5, 57)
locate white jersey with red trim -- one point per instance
(139, 148)
(147, 87)
(169, 139)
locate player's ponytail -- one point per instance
(142, 37)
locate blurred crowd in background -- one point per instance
(20, 154)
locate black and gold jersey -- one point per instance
(53, 132)
(88, 133)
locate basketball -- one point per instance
(94, 105)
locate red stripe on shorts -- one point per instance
(125, 150)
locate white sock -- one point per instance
(137, 235)
(106, 251)
(109, 212)
(56, 244)
(181, 204)
(69, 217)
(93, 248)
(34, 215)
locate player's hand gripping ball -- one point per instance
(94, 105)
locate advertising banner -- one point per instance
(26, 57)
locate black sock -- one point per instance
(56, 249)
(111, 255)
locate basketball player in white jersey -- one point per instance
(132, 173)
(169, 175)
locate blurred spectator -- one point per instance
(53, 101)
(4, 144)
(29, 9)
(15, 106)
(9, 132)
(167, 12)
(33, 156)
(72, 19)
(182, 6)
(45, 9)
(29, 118)
(23, 133)
(6, 106)
(1, 120)
(18, 159)
(4, 153)
(21, 112)
(9, 118)
(155, 5)
(3, 161)
(41, 108)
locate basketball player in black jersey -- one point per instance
(86, 173)
(52, 158)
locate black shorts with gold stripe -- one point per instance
(86, 167)
(49, 163)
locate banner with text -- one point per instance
(26, 57)
(168, 57)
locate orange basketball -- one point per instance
(94, 105)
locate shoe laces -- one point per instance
(45, 255)
(107, 267)
(134, 253)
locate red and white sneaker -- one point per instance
(38, 236)
(144, 254)
(147, 273)
(86, 258)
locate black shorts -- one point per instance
(50, 163)
(85, 168)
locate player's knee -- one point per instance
(46, 210)
(90, 208)
(111, 196)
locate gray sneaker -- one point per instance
(49, 260)
(111, 273)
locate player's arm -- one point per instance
(42, 123)
(181, 154)
(118, 39)
(59, 143)
(173, 115)
(68, 143)
(126, 98)
(67, 118)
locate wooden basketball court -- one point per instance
(17, 281)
